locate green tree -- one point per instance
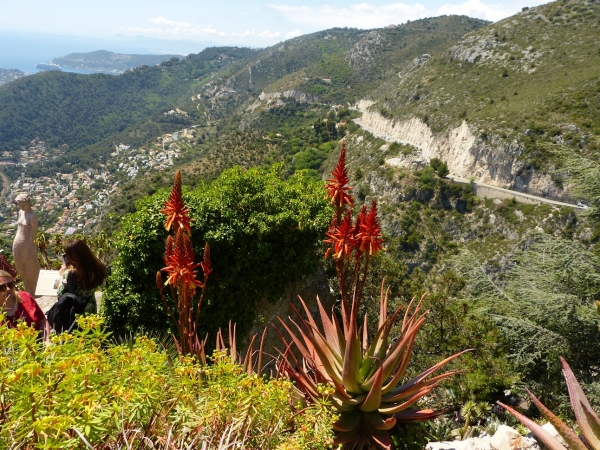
(439, 167)
(544, 306)
(264, 232)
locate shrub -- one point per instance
(265, 231)
(84, 388)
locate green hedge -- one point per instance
(264, 232)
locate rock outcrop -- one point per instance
(505, 438)
(487, 159)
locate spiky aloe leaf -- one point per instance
(373, 399)
(392, 409)
(346, 436)
(329, 329)
(375, 420)
(407, 390)
(394, 389)
(585, 415)
(348, 421)
(418, 415)
(547, 439)
(381, 438)
(321, 353)
(352, 364)
(375, 352)
(347, 404)
(567, 434)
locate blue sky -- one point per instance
(234, 22)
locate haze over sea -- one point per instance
(24, 51)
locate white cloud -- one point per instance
(169, 28)
(475, 8)
(359, 15)
(368, 15)
(263, 34)
(293, 34)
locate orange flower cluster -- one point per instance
(343, 237)
(175, 210)
(337, 187)
(179, 258)
(362, 237)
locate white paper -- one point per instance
(48, 282)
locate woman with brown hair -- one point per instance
(82, 272)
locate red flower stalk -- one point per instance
(337, 187)
(175, 210)
(159, 282)
(341, 238)
(179, 258)
(369, 235)
(206, 262)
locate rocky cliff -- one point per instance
(488, 159)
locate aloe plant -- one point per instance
(586, 418)
(368, 385)
(182, 274)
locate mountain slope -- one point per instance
(79, 110)
(491, 103)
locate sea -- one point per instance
(23, 51)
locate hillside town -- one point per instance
(69, 202)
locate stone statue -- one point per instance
(24, 248)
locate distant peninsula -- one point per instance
(103, 61)
(7, 75)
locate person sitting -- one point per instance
(20, 305)
(81, 273)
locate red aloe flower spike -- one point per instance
(206, 262)
(337, 187)
(369, 236)
(175, 210)
(159, 282)
(341, 238)
(181, 269)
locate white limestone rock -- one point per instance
(507, 438)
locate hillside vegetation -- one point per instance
(531, 79)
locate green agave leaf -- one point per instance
(352, 365)
(348, 421)
(379, 347)
(381, 438)
(409, 402)
(375, 420)
(372, 354)
(373, 399)
(343, 404)
(393, 358)
(547, 439)
(403, 392)
(322, 357)
(340, 333)
(417, 415)
(344, 437)
(585, 415)
(365, 335)
(389, 388)
(567, 434)
(329, 329)
(322, 346)
(383, 304)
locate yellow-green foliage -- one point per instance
(85, 392)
